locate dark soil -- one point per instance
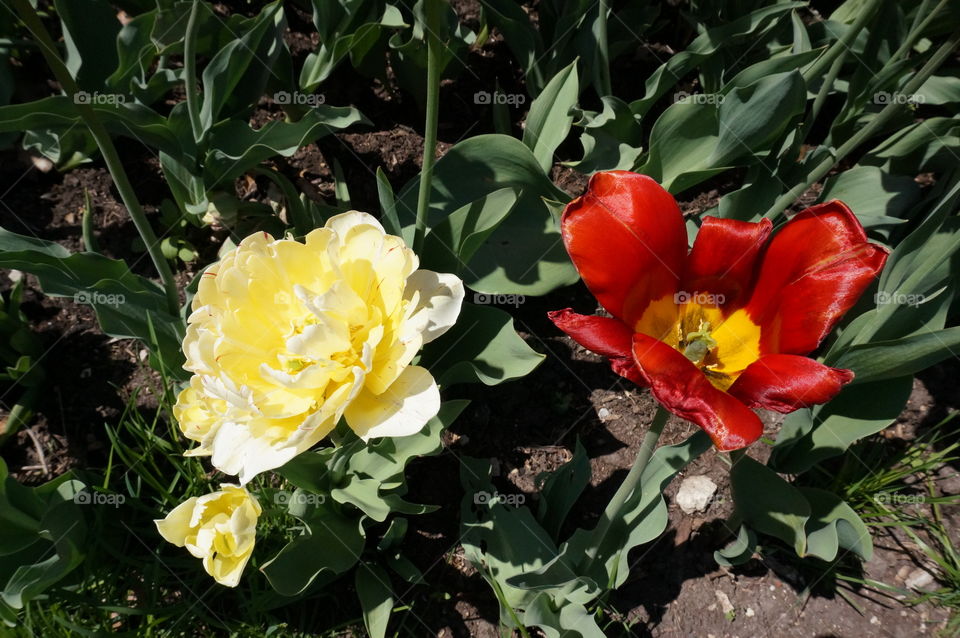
(525, 428)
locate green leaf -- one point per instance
(681, 142)
(500, 540)
(753, 26)
(939, 89)
(126, 304)
(482, 346)
(90, 34)
(833, 525)
(808, 437)
(753, 116)
(331, 543)
(242, 67)
(525, 254)
(645, 518)
(768, 503)
(876, 197)
(561, 489)
(549, 119)
(611, 139)
(883, 360)
(59, 114)
(740, 550)
(236, 148)
(451, 244)
(388, 204)
(376, 598)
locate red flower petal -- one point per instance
(787, 382)
(684, 390)
(627, 238)
(724, 257)
(812, 272)
(603, 335)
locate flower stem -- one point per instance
(433, 10)
(614, 509)
(190, 71)
(603, 50)
(841, 46)
(868, 131)
(109, 152)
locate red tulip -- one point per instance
(725, 327)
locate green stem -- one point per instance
(433, 17)
(868, 131)
(109, 152)
(190, 72)
(603, 50)
(842, 45)
(89, 239)
(919, 26)
(822, 94)
(614, 509)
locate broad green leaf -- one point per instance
(882, 360)
(739, 550)
(768, 504)
(753, 116)
(376, 598)
(483, 346)
(236, 147)
(876, 197)
(451, 244)
(59, 114)
(753, 26)
(645, 518)
(939, 89)
(126, 304)
(500, 540)
(808, 437)
(561, 489)
(611, 139)
(331, 543)
(388, 204)
(89, 32)
(834, 525)
(549, 118)
(681, 143)
(525, 254)
(242, 67)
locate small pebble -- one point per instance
(695, 493)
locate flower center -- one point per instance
(720, 343)
(697, 345)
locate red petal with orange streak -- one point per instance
(723, 259)
(788, 382)
(812, 272)
(684, 390)
(603, 335)
(627, 239)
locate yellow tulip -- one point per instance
(285, 338)
(220, 528)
